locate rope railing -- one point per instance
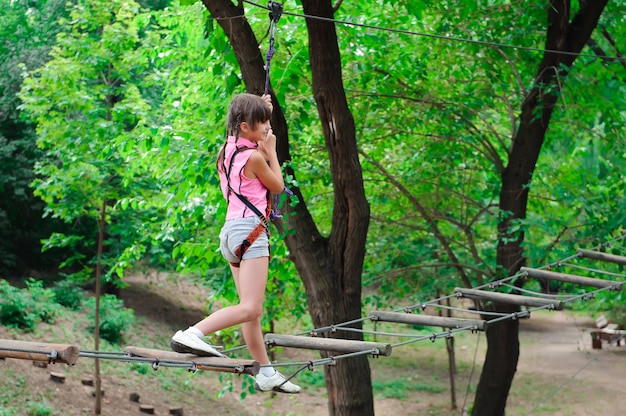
(69, 353)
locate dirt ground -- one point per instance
(558, 372)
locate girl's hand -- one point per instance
(267, 147)
(268, 100)
(263, 164)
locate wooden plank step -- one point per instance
(39, 351)
(508, 298)
(326, 344)
(572, 278)
(224, 365)
(597, 255)
(428, 320)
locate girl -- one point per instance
(249, 171)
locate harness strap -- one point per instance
(262, 226)
(249, 240)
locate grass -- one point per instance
(414, 373)
(12, 387)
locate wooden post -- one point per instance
(39, 351)
(509, 299)
(596, 255)
(571, 278)
(225, 365)
(414, 319)
(327, 344)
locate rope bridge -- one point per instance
(314, 339)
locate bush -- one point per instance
(36, 408)
(68, 294)
(42, 301)
(24, 308)
(115, 319)
(14, 312)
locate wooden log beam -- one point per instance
(39, 351)
(571, 278)
(596, 255)
(414, 319)
(327, 344)
(224, 365)
(508, 298)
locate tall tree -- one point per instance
(330, 266)
(87, 101)
(566, 36)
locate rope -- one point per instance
(442, 37)
(534, 293)
(276, 10)
(469, 380)
(589, 269)
(192, 366)
(560, 386)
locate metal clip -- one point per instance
(194, 367)
(276, 10)
(52, 356)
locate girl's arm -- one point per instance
(264, 165)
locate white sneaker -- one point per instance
(188, 343)
(277, 382)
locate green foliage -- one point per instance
(313, 379)
(398, 388)
(130, 111)
(11, 385)
(140, 368)
(115, 319)
(14, 311)
(37, 408)
(68, 294)
(27, 31)
(89, 100)
(611, 305)
(24, 308)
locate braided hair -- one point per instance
(248, 108)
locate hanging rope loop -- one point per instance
(276, 10)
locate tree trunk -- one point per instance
(330, 267)
(334, 287)
(502, 339)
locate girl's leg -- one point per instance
(250, 280)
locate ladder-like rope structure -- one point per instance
(69, 354)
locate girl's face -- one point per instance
(256, 133)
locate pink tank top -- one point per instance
(252, 189)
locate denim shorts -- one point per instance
(234, 232)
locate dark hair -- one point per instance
(248, 108)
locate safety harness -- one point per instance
(276, 10)
(263, 225)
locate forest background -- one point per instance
(112, 114)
